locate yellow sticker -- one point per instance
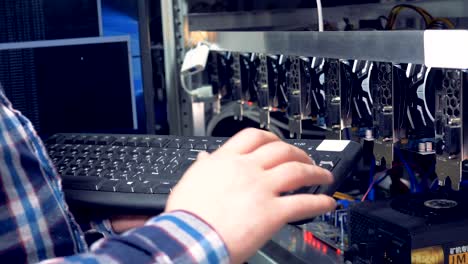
(458, 258)
(430, 255)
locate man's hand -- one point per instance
(237, 190)
(121, 224)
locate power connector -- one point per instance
(195, 60)
(203, 92)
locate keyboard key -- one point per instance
(81, 183)
(187, 146)
(54, 139)
(103, 161)
(326, 166)
(110, 150)
(213, 147)
(139, 176)
(130, 163)
(52, 146)
(158, 142)
(162, 189)
(125, 150)
(132, 142)
(81, 173)
(332, 161)
(192, 155)
(67, 160)
(125, 187)
(143, 187)
(144, 142)
(62, 168)
(201, 147)
(112, 169)
(91, 140)
(90, 172)
(108, 175)
(91, 161)
(98, 150)
(69, 140)
(79, 160)
(57, 160)
(68, 172)
(79, 140)
(109, 185)
(175, 143)
(105, 140)
(120, 141)
(101, 172)
(163, 160)
(144, 168)
(151, 175)
(125, 168)
(123, 175)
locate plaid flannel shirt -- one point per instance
(35, 224)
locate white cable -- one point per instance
(194, 62)
(183, 83)
(320, 15)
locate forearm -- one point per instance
(177, 237)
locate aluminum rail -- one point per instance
(434, 48)
(296, 18)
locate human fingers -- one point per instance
(202, 155)
(247, 141)
(298, 207)
(273, 154)
(294, 175)
(121, 224)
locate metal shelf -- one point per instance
(297, 18)
(434, 48)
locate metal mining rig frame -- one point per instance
(361, 84)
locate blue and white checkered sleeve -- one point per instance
(35, 221)
(177, 237)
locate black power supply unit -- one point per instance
(418, 228)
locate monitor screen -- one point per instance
(120, 18)
(73, 85)
(29, 20)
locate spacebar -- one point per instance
(81, 183)
(140, 203)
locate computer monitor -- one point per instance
(29, 20)
(73, 85)
(128, 17)
(120, 18)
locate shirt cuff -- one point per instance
(199, 239)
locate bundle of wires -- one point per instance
(412, 177)
(415, 187)
(441, 23)
(379, 177)
(430, 21)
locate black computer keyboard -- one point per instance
(138, 172)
